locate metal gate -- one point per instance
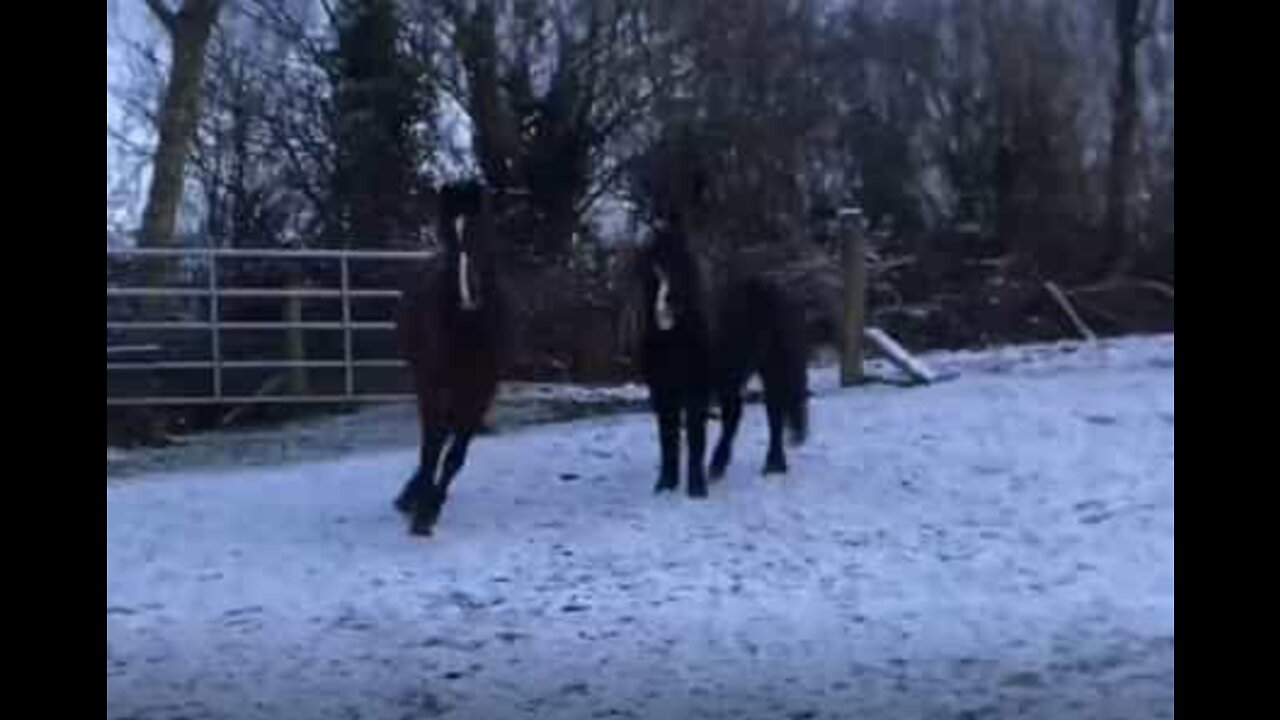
(199, 268)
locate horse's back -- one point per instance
(758, 329)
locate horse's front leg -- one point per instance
(454, 460)
(669, 438)
(427, 496)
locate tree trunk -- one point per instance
(189, 31)
(1124, 125)
(855, 300)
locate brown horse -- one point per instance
(451, 330)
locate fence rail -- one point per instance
(136, 356)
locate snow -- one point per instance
(999, 545)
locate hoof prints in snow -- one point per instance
(1024, 574)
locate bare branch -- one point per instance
(126, 143)
(603, 185)
(167, 17)
(274, 16)
(1146, 23)
(1061, 299)
(330, 12)
(300, 174)
(1159, 288)
(140, 108)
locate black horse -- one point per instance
(675, 357)
(686, 361)
(451, 326)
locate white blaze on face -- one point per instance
(464, 282)
(662, 312)
(465, 296)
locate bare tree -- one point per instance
(248, 196)
(554, 92)
(1132, 24)
(189, 28)
(748, 100)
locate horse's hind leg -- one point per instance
(696, 435)
(776, 460)
(731, 415)
(419, 497)
(430, 428)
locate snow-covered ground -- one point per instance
(1000, 545)
(394, 426)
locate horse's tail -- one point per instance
(796, 387)
(795, 376)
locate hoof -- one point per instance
(775, 468)
(719, 463)
(407, 499)
(423, 524)
(425, 516)
(698, 489)
(403, 505)
(666, 485)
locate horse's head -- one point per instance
(466, 230)
(671, 282)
